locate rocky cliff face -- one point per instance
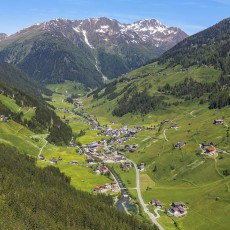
(103, 31)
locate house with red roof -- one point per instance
(210, 150)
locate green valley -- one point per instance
(153, 143)
(178, 174)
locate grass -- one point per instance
(174, 174)
(146, 182)
(9, 103)
(128, 177)
(28, 113)
(178, 174)
(17, 135)
(82, 177)
(58, 101)
(68, 87)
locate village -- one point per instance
(111, 149)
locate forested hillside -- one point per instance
(180, 105)
(209, 47)
(15, 85)
(207, 51)
(15, 77)
(35, 198)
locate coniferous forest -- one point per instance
(35, 198)
(45, 119)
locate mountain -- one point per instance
(19, 94)
(208, 47)
(3, 36)
(176, 103)
(18, 79)
(88, 51)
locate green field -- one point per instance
(68, 87)
(177, 174)
(9, 103)
(171, 174)
(17, 135)
(128, 177)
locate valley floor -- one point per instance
(176, 165)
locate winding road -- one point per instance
(42, 148)
(165, 135)
(151, 216)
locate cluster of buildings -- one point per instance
(176, 209)
(119, 135)
(208, 149)
(103, 152)
(101, 169)
(126, 165)
(156, 203)
(131, 148)
(113, 186)
(77, 103)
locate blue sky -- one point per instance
(190, 15)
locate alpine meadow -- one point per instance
(108, 125)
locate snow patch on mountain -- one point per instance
(86, 39)
(76, 29)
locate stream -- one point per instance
(124, 200)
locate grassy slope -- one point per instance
(67, 88)
(181, 175)
(81, 177)
(30, 143)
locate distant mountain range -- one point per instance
(88, 51)
(2, 36)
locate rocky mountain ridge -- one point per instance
(88, 50)
(149, 31)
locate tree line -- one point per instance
(217, 93)
(138, 102)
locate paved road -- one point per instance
(151, 216)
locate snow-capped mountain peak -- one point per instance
(91, 47)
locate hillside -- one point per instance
(88, 51)
(2, 36)
(15, 77)
(32, 197)
(205, 50)
(209, 47)
(184, 174)
(177, 107)
(19, 95)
